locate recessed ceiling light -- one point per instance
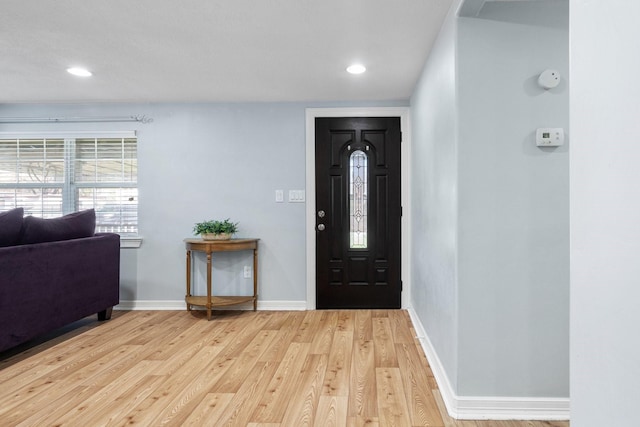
(356, 69)
(80, 72)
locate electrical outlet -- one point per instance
(247, 272)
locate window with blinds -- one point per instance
(50, 177)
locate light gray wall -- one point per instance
(208, 161)
(434, 186)
(219, 161)
(605, 213)
(490, 212)
(513, 259)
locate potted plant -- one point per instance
(215, 230)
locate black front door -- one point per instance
(358, 212)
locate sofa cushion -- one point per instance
(10, 227)
(72, 226)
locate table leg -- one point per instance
(188, 294)
(255, 278)
(208, 285)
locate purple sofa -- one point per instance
(47, 285)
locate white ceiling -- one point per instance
(214, 50)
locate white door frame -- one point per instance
(311, 114)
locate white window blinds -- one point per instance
(52, 177)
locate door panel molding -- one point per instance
(311, 114)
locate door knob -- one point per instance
(321, 214)
(321, 227)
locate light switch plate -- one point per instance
(296, 196)
(279, 196)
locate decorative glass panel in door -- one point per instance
(358, 200)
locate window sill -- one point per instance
(130, 242)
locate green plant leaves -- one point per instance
(215, 227)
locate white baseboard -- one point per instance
(508, 408)
(150, 305)
(448, 395)
(487, 408)
(180, 305)
(282, 305)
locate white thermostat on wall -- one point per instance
(549, 137)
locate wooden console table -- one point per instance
(208, 247)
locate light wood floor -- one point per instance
(290, 369)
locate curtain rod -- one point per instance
(97, 119)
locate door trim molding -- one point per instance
(310, 189)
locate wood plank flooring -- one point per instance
(243, 368)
